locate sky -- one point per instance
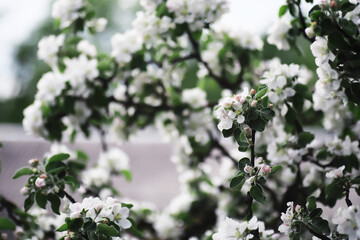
(19, 18)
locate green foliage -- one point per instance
(257, 193)
(7, 224)
(22, 172)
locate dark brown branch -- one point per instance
(303, 23)
(68, 196)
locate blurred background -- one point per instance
(23, 23)
(22, 29)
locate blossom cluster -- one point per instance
(232, 109)
(231, 229)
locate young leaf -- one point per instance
(62, 228)
(127, 174)
(22, 172)
(257, 193)
(55, 202)
(7, 224)
(41, 199)
(58, 157)
(109, 231)
(283, 9)
(29, 201)
(261, 93)
(257, 124)
(311, 203)
(237, 182)
(242, 163)
(319, 225)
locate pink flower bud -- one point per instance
(271, 105)
(40, 183)
(253, 103)
(43, 176)
(238, 97)
(248, 169)
(34, 162)
(266, 169)
(333, 4)
(252, 92)
(298, 208)
(24, 191)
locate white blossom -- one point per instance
(277, 33)
(67, 11)
(49, 48)
(348, 221)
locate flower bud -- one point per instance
(271, 105)
(253, 103)
(333, 4)
(43, 176)
(56, 190)
(298, 208)
(24, 191)
(266, 169)
(238, 97)
(248, 132)
(104, 220)
(34, 162)
(40, 183)
(310, 32)
(252, 92)
(248, 169)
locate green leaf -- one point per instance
(58, 157)
(55, 167)
(41, 199)
(320, 226)
(243, 146)
(336, 41)
(283, 9)
(90, 226)
(237, 182)
(62, 228)
(311, 203)
(134, 230)
(7, 224)
(109, 231)
(356, 180)
(267, 114)
(261, 93)
(55, 202)
(305, 138)
(127, 174)
(70, 180)
(333, 191)
(276, 168)
(242, 163)
(237, 134)
(316, 213)
(227, 132)
(22, 172)
(74, 224)
(29, 201)
(257, 193)
(257, 124)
